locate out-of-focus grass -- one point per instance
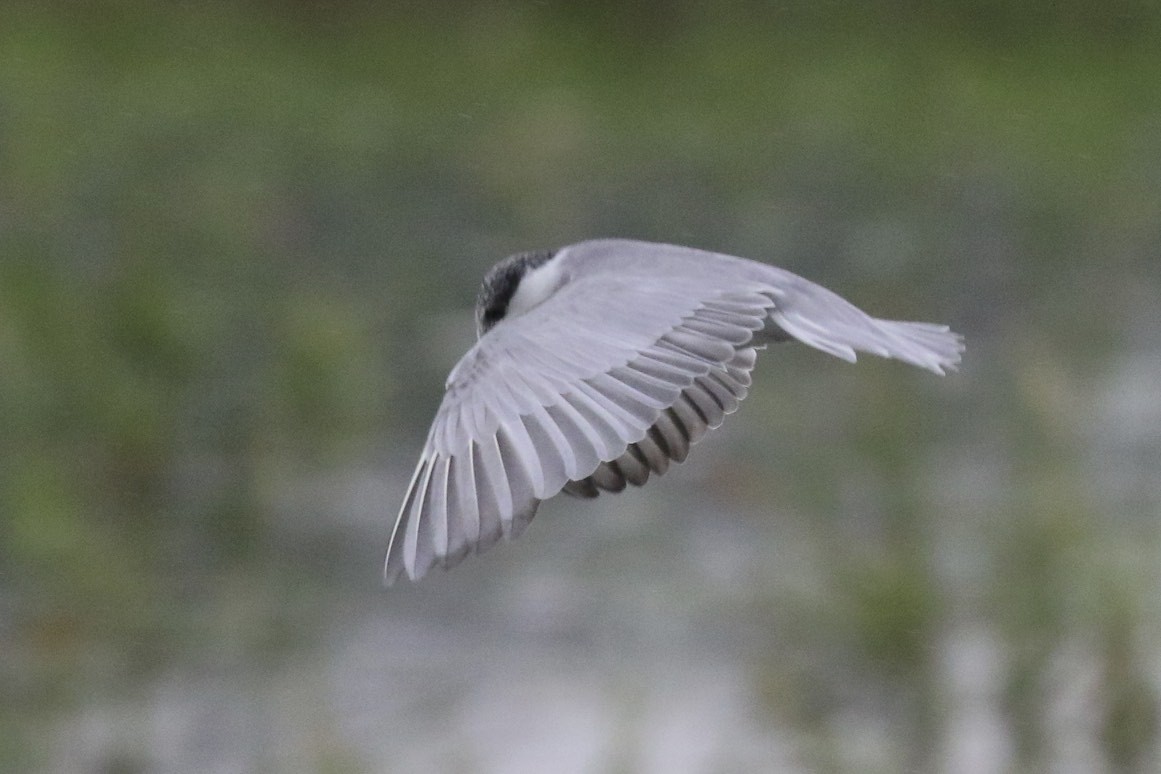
(220, 225)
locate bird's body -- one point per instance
(599, 363)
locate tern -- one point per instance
(599, 363)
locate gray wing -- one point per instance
(804, 311)
(598, 387)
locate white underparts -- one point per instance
(535, 286)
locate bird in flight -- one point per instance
(599, 363)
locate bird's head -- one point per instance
(515, 285)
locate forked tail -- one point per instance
(824, 320)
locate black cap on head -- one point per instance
(500, 285)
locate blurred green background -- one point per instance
(239, 245)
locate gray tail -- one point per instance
(817, 317)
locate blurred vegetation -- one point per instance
(224, 229)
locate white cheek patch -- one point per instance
(535, 286)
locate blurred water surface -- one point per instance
(238, 249)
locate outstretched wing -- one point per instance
(600, 386)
